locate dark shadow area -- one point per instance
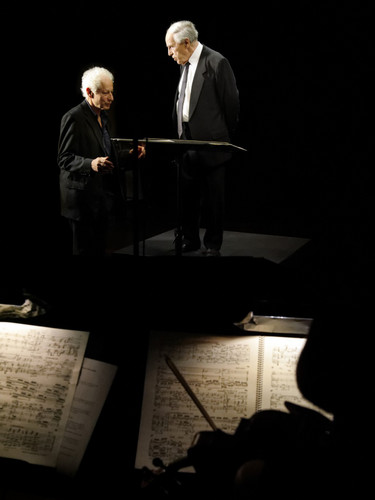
(303, 76)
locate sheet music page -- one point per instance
(94, 384)
(279, 383)
(221, 371)
(39, 369)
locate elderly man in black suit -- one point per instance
(89, 180)
(209, 112)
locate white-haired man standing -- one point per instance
(210, 112)
(87, 188)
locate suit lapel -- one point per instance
(197, 82)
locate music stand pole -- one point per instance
(183, 146)
(135, 199)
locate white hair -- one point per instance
(182, 30)
(92, 79)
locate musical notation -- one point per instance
(231, 376)
(279, 384)
(39, 369)
(219, 370)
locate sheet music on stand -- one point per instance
(39, 371)
(233, 376)
(51, 395)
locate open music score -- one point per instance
(39, 370)
(191, 393)
(43, 376)
(232, 377)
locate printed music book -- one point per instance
(232, 377)
(50, 395)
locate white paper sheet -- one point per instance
(39, 369)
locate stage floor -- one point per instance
(235, 244)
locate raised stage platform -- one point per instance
(236, 244)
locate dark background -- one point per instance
(302, 70)
(303, 73)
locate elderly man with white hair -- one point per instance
(206, 108)
(88, 191)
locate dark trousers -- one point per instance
(89, 235)
(202, 199)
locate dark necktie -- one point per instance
(181, 99)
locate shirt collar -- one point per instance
(90, 108)
(194, 58)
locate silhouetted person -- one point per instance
(301, 454)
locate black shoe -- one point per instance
(212, 252)
(188, 246)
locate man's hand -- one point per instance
(141, 151)
(102, 165)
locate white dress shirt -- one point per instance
(194, 58)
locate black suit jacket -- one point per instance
(81, 189)
(214, 104)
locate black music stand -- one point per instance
(179, 147)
